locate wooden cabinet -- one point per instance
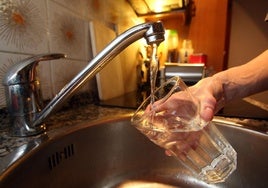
(209, 31)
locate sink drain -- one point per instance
(56, 158)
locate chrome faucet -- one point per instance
(23, 94)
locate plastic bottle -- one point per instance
(186, 51)
(172, 43)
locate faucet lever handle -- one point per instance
(25, 70)
(23, 95)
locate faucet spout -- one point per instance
(153, 32)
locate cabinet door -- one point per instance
(209, 31)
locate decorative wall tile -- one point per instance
(77, 6)
(67, 33)
(23, 26)
(44, 74)
(6, 61)
(63, 71)
(111, 11)
(31, 27)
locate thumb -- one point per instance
(207, 113)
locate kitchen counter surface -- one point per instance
(63, 118)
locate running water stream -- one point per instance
(153, 71)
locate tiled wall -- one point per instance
(39, 27)
(30, 27)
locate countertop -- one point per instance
(63, 118)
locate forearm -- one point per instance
(244, 80)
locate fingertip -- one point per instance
(168, 153)
(207, 114)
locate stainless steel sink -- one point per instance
(112, 153)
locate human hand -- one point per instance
(177, 115)
(178, 132)
(207, 94)
(205, 99)
(210, 93)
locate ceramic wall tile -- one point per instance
(6, 61)
(63, 71)
(44, 74)
(31, 27)
(77, 6)
(23, 26)
(111, 11)
(67, 33)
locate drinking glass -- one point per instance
(179, 129)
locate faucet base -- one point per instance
(24, 131)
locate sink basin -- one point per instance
(112, 153)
